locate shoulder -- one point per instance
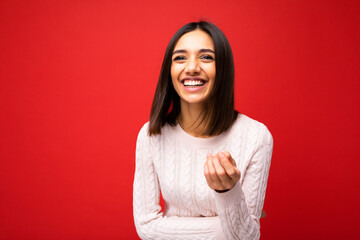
(252, 130)
(143, 133)
(144, 136)
(144, 130)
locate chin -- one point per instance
(194, 100)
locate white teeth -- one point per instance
(193, 83)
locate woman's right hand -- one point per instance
(221, 172)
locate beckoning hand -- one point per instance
(221, 172)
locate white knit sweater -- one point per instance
(173, 163)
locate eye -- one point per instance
(207, 57)
(179, 58)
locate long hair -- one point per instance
(219, 108)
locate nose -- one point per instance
(192, 67)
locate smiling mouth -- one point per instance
(193, 83)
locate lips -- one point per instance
(193, 82)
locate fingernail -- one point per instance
(221, 154)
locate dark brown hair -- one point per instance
(219, 105)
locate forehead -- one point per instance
(195, 40)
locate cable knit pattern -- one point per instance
(173, 163)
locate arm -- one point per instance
(240, 207)
(149, 220)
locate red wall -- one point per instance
(76, 84)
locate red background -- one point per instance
(76, 84)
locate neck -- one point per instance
(191, 119)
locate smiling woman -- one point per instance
(193, 69)
(209, 162)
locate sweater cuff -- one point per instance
(229, 198)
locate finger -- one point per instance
(228, 155)
(231, 170)
(208, 178)
(226, 181)
(216, 182)
(219, 168)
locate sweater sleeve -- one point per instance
(150, 222)
(240, 208)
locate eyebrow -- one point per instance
(201, 51)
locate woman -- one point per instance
(210, 163)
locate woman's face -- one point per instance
(193, 66)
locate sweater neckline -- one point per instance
(197, 141)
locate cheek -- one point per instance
(174, 72)
(175, 84)
(211, 71)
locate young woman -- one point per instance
(209, 162)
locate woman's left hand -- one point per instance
(221, 172)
